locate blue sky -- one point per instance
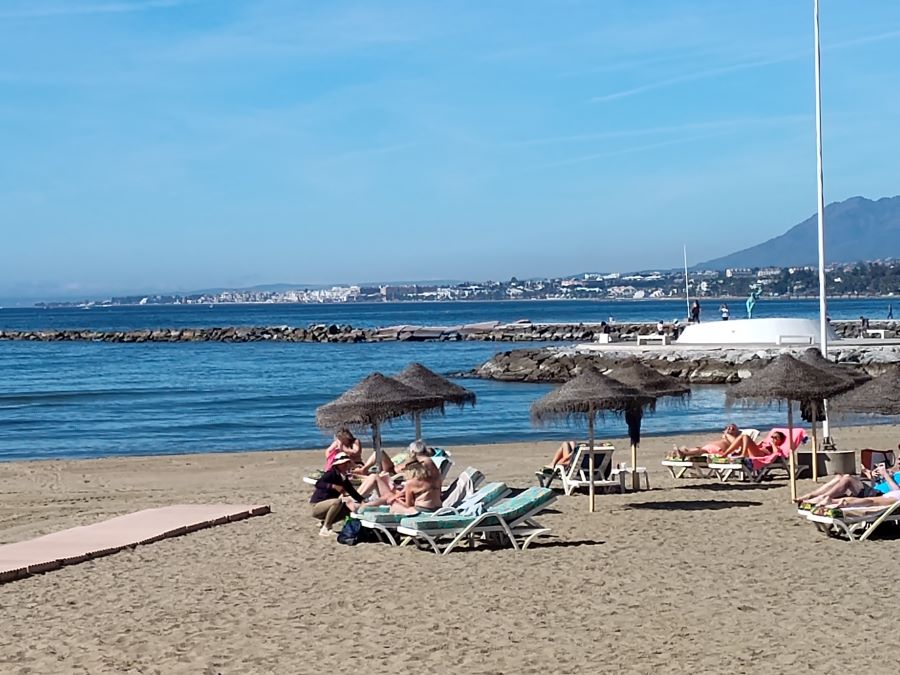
(174, 145)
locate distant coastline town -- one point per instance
(848, 280)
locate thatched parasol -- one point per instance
(815, 410)
(373, 401)
(585, 395)
(787, 378)
(430, 383)
(652, 383)
(879, 396)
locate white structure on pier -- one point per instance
(769, 331)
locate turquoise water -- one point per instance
(67, 399)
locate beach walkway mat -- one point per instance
(78, 544)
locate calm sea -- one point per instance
(63, 400)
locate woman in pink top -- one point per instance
(344, 441)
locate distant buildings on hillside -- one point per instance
(843, 280)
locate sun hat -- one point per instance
(341, 458)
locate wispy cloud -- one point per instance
(634, 149)
(868, 39)
(33, 12)
(699, 75)
(735, 67)
(649, 131)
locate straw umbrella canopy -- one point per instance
(372, 402)
(430, 383)
(879, 396)
(787, 378)
(584, 396)
(652, 383)
(811, 408)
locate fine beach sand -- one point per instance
(689, 577)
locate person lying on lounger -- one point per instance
(887, 499)
(419, 494)
(387, 484)
(419, 452)
(562, 456)
(744, 446)
(844, 485)
(715, 447)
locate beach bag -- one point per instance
(353, 533)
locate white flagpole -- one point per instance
(687, 292)
(823, 302)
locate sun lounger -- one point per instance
(512, 519)
(697, 466)
(857, 524)
(756, 469)
(577, 474)
(386, 523)
(694, 467)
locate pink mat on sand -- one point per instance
(109, 536)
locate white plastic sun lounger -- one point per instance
(386, 523)
(679, 468)
(512, 519)
(700, 466)
(577, 474)
(857, 524)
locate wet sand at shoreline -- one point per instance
(691, 576)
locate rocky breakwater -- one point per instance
(490, 331)
(695, 366)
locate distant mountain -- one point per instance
(855, 230)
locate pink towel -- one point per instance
(784, 450)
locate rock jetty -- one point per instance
(695, 366)
(491, 331)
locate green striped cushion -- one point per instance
(509, 509)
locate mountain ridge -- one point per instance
(856, 229)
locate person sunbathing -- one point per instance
(419, 452)
(419, 494)
(744, 446)
(386, 484)
(562, 456)
(716, 447)
(844, 485)
(887, 499)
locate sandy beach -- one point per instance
(690, 576)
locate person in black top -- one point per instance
(326, 501)
(695, 312)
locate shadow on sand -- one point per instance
(697, 505)
(565, 544)
(730, 487)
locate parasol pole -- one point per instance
(376, 444)
(635, 479)
(820, 184)
(792, 463)
(418, 418)
(814, 409)
(591, 456)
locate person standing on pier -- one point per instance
(890, 315)
(695, 312)
(724, 311)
